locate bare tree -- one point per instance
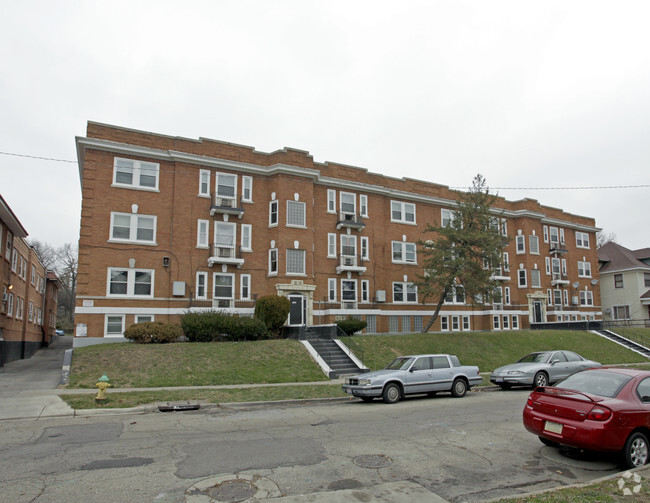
(603, 237)
(67, 264)
(45, 252)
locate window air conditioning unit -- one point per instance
(226, 202)
(225, 252)
(223, 303)
(348, 217)
(349, 261)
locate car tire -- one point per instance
(541, 379)
(548, 442)
(636, 450)
(367, 398)
(391, 393)
(459, 388)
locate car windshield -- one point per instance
(400, 364)
(596, 382)
(535, 358)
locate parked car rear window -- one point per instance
(595, 382)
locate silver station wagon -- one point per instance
(414, 374)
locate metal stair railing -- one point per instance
(637, 331)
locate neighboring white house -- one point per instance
(624, 282)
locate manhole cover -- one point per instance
(233, 490)
(372, 461)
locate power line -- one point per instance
(594, 187)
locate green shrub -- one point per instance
(155, 332)
(272, 310)
(215, 326)
(351, 325)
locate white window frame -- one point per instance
(535, 274)
(402, 249)
(505, 322)
(138, 318)
(554, 232)
(406, 286)
(402, 209)
(9, 245)
(584, 269)
(565, 294)
(520, 245)
(349, 281)
(363, 205)
(331, 245)
(331, 201)
(466, 322)
(504, 227)
(446, 217)
(218, 237)
(134, 225)
(245, 287)
(455, 323)
(549, 296)
(365, 248)
(33, 275)
(247, 189)
(365, 290)
(348, 195)
(586, 298)
(557, 297)
(582, 240)
(202, 233)
(136, 172)
(201, 282)
(272, 252)
(300, 211)
(14, 261)
(506, 261)
(515, 322)
(222, 176)
(496, 322)
(562, 242)
(274, 211)
(506, 296)
(204, 183)
(331, 289)
(293, 252)
(116, 316)
(444, 323)
(215, 275)
(547, 265)
(521, 274)
(533, 244)
(564, 269)
(130, 283)
(246, 237)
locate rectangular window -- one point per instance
(403, 253)
(555, 265)
(506, 262)
(348, 291)
(417, 324)
(225, 239)
(446, 217)
(404, 292)
(402, 212)
(566, 297)
(521, 244)
(331, 201)
(444, 323)
(504, 227)
(295, 261)
(496, 322)
(535, 278)
(365, 290)
(226, 189)
(646, 279)
(621, 312)
(348, 246)
(247, 189)
(533, 244)
(204, 183)
(114, 326)
(331, 245)
(557, 297)
(618, 281)
(584, 269)
(133, 228)
(202, 233)
(245, 287)
(549, 296)
(371, 320)
(348, 203)
(363, 205)
(564, 273)
(246, 238)
(331, 289)
(130, 282)
(33, 277)
(546, 233)
(273, 214)
(201, 285)
(582, 240)
(393, 324)
(137, 174)
(365, 248)
(466, 323)
(586, 298)
(10, 241)
(547, 263)
(554, 236)
(14, 261)
(273, 261)
(295, 214)
(506, 324)
(143, 318)
(521, 275)
(515, 322)
(561, 236)
(223, 286)
(506, 296)
(30, 311)
(497, 297)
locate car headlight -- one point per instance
(515, 373)
(364, 382)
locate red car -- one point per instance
(604, 409)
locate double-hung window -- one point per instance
(586, 298)
(521, 244)
(365, 290)
(226, 189)
(331, 245)
(114, 325)
(365, 248)
(204, 183)
(273, 214)
(349, 246)
(295, 262)
(245, 287)
(130, 282)
(201, 285)
(202, 230)
(533, 244)
(404, 253)
(246, 231)
(535, 278)
(446, 217)
(223, 286)
(404, 292)
(133, 228)
(554, 237)
(331, 201)
(584, 269)
(247, 189)
(225, 239)
(618, 281)
(621, 312)
(296, 214)
(402, 212)
(135, 174)
(348, 290)
(273, 261)
(348, 203)
(582, 240)
(9, 244)
(331, 289)
(363, 205)
(557, 297)
(521, 277)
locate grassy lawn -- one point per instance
(603, 492)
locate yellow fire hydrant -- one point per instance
(102, 386)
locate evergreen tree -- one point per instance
(460, 258)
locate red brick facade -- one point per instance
(343, 240)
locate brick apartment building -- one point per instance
(170, 224)
(29, 293)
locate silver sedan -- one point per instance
(540, 369)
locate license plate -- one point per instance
(553, 427)
(498, 379)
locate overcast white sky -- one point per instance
(552, 94)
